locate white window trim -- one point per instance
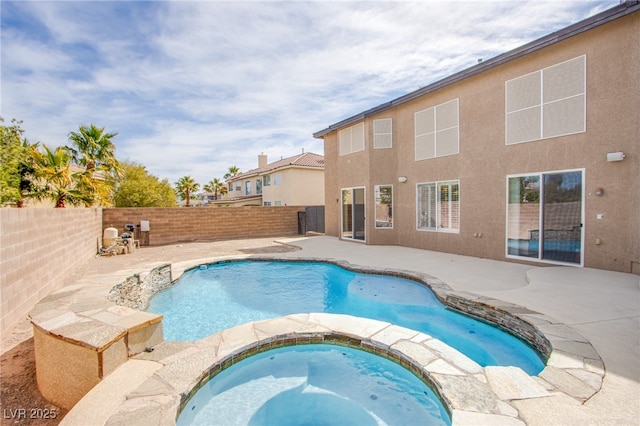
(540, 219)
(390, 134)
(436, 130)
(542, 103)
(351, 130)
(375, 189)
(437, 229)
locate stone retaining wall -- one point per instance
(136, 291)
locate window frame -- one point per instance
(435, 131)
(346, 139)
(378, 201)
(437, 220)
(544, 105)
(377, 136)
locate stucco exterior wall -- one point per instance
(38, 249)
(300, 187)
(484, 160)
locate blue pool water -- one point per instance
(225, 295)
(314, 385)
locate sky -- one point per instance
(194, 87)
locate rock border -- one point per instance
(573, 366)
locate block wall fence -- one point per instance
(178, 225)
(40, 247)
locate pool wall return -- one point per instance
(84, 332)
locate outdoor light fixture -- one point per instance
(402, 179)
(615, 156)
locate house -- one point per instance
(532, 156)
(291, 181)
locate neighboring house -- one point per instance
(292, 181)
(513, 158)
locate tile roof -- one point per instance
(306, 160)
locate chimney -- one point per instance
(262, 160)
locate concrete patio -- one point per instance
(604, 307)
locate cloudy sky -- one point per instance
(193, 87)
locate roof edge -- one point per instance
(623, 9)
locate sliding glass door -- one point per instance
(353, 217)
(545, 216)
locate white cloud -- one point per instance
(195, 87)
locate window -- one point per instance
(258, 186)
(545, 216)
(277, 203)
(267, 203)
(247, 188)
(277, 179)
(438, 206)
(230, 186)
(267, 180)
(382, 133)
(238, 186)
(351, 139)
(546, 103)
(436, 131)
(383, 195)
(353, 214)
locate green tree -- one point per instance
(217, 187)
(53, 179)
(16, 160)
(135, 187)
(233, 171)
(185, 186)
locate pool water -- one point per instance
(314, 385)
(224, 295)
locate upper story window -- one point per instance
(238, 186)
(382, 133)
(230, 186)
(351, 139)
(547, 103)
(247, 188)
(267, 180)
(258, 186)
(277, 179)
(437, 131)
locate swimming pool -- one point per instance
(314, 384)
(222, 295)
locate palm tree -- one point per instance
(233, 171)
(185, 186)
(53, 179)
(93, 149)
(216, 186)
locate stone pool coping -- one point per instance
(471, 394)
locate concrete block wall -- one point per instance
(176, 225)
(38, 249)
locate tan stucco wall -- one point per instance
(38, 249)
(484, 161)
(300, 187)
